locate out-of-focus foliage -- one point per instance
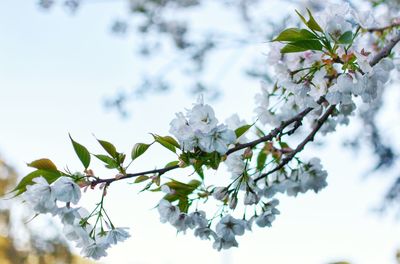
(33, 248)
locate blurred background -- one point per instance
(121, 69)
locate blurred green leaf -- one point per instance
(43, 164)
(141, 178)
(241, 130)
(346, 38)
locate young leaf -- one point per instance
(346, 38)
(183, 204)
(139, 149)
(82, 153)
(241, 130)
(294, 34)
(166, 142)
(43, 164)
(261, 158)
(172, 163)
(110, 148)
(141, 178)
(302, 45)
(301, 17)
(312, 24)
(283, 144)
(110, 163)
(171, 140)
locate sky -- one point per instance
(55, 72)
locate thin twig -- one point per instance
(301, 146)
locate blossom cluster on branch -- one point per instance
(324, 69)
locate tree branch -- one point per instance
(381, 29)
(275, 132)
(301, 146)
(383, 53)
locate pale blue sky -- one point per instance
(55, 70)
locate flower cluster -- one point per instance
(56, 199)
(225, 231)
(337, 68)
(200, 129)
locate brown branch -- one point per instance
(381, 29)
(301, 146)
(383, 53)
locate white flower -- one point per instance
(202, 118)
(217, 139)
(235, 164)
(183, 222)
(78, 234)
(199, 218)
(224, 243)
(183, 132)
(337, 26)
(40, 196)
(66, 190)
(117, 235)
(204, 233)
(251, 198)
(363, 62)
(233, 123)
(220, 193)
(268, 215)
(95, 250)
(168, 212)
(228, 227)
(68, 214)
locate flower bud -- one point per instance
(233, 202)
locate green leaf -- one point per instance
(110, 162)
(43, 164)
(215, 160)
(49, 175)
(241, 130)
(139, 149)
(283, 144)
(82, 152)
(141, 178)
(172, 163)
(301, 45)
(166, 142)
(301, 17)
(294, 34)
(183, 204)
(312, 24)
(198, 167)
(172, 141)
(183, 188)
(110, 148)
(346, 38)
(261, 158)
